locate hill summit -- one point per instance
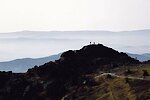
(96, 50)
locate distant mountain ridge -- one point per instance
(63, 40)
(22, 65)
(140, 57)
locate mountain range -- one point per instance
(22, 65)
(140, 57)
(14, 44)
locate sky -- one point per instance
(25, 16)
(56, 15)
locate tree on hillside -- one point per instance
(145, 73)
(127, 80)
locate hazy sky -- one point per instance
(114, 15)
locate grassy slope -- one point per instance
(136, 70)
(114, 88)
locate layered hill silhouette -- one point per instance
(53, 80)
(22, 65)
(140, 57)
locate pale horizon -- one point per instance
(36, 44)
(74, 30)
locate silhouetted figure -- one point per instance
(90, 43)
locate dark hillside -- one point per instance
(53, 80)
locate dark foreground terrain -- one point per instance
(94, 72)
